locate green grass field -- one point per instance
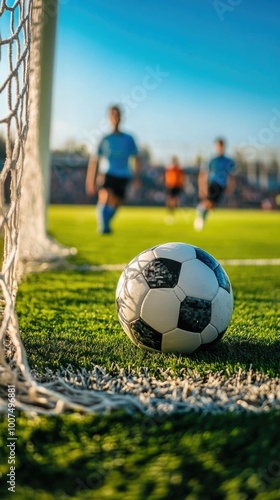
(68, 317)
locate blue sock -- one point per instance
(104, 215)
(109, 213)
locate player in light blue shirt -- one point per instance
(116, 149)
(213, 180)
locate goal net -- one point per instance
(26, 43)
(27, 33)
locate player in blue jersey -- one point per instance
(116, 148)
(213, 181)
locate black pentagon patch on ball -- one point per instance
(145, 335)
(222, 278)
(206, 258)
(162, 273)
(195, 314)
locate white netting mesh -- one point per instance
(15, 52)
(27, 246)
(23, 215)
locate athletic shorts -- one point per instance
(117, 185)
(215, 192)
(173, 192)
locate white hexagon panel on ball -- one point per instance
(160, 309)
(130, 298)
(175, 251)
(198, 280)
(180, 341)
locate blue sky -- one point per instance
(185, 72)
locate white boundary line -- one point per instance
(250, 262)
(223, 262)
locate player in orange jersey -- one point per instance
(174, 183)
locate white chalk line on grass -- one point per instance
(223, 262)
(64, 265)
(250, 262)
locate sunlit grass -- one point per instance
(69, 317)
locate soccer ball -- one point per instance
(174, 297)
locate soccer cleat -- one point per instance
(199, 223)
(102, 230)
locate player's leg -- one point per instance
(170, 204)
(101, 210)
(214, 194)
(168, 198)
(177, 198)
(111, 195)
(201, 213)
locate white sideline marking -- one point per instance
(250, 262)
(102, 267)
(223, 262)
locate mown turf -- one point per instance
(135, 458)
(228, 234)
(69, 317)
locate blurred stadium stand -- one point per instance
(257, 184)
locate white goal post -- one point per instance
(34, 243)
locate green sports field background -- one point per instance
(68, 317)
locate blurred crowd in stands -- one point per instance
(257, 184)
